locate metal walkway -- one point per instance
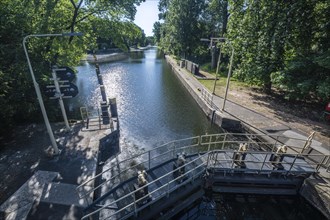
(218, 155)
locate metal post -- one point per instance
(318, 166)
(216, 74)
(41, 103)
(135, 212)
(224, 140)
(209, 145)
(168, 189)
(149, 159)
(36, 85)
(263, 163)
(230, 66)
(174, 149)
(228, 77)
(60, 100)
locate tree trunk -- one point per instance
(225, 16)
(267, 86)
(214, 60)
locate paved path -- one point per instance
(316, 189)
(252, 119)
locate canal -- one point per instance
(154, 108)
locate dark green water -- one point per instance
(154, 108)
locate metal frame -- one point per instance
(208, 148)
(36, 85)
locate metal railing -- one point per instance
(266, 165)
(156, 194)
(93, 118)
(127, 168)
(208, 98)
(207, 145)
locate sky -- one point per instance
(147, 15)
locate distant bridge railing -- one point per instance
(125, 169)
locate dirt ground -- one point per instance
(300, 116)
(20, 157)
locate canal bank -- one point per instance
(103, 58)
(316, 189)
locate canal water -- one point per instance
(154, 108)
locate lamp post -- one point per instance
(36, 85)
(221, 39)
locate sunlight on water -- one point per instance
(153, 106)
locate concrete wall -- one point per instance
(316, 191)
(107, 58)
(213, 115)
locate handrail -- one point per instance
(130, 167)
(147, 185)
(208, 98)
(288, 172)
(205, 164)
(201, 144)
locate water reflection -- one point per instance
(153, 106)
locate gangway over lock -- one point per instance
(225, 163)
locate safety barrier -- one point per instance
(208, 98)
(208, 147)
(96, 118)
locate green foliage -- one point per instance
(157, 31)
(108, 19)
(182, 29)
(277, 43)
(282, 43)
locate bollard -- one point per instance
(113, 107)
(141, 188)
(240, 155)
(103, 94)
(105, 113)
(278, 157)
(100, 79)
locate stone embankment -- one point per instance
(103, 58)
(235, 117)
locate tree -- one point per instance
(21, 18)
(282, 43)
(157, 31)
(182, 27)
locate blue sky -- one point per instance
(147, 15)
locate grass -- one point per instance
(221, 85)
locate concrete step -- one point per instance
(20, 203)
(45, 210)
(65, 194)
